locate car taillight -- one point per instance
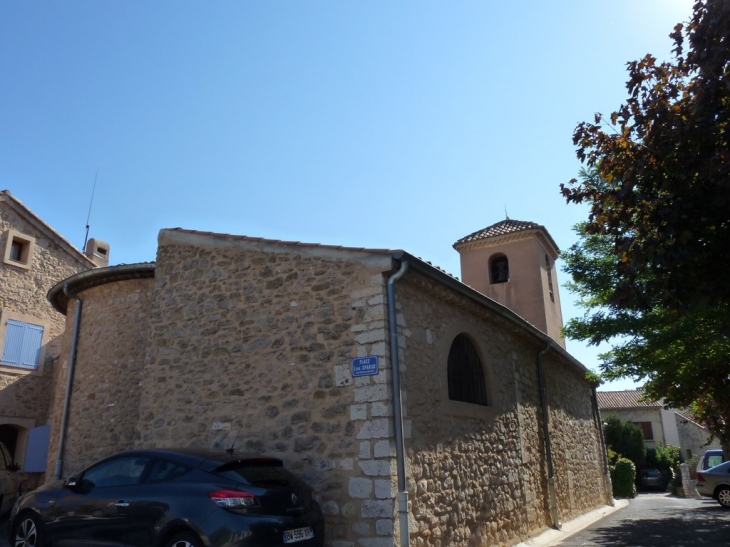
(233, 498)
(700, 478)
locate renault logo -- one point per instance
(294, 499)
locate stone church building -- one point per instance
(423, 410)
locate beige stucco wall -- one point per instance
(527, 291)
(478, 476)
(111, 350)
(25, 395)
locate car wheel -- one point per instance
(186, 539)
(723, 496)
(28, 532)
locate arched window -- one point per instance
(466, 374)
(498, 269)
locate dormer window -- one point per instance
(498, 269)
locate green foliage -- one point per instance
(593, 378)
(625, 438)
(669, 456)
(651, 265)
(663, 457)
(623, 477)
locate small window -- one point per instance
(19, 249)
(22, 347)
(465, 372)
(550, 277)
(498, 269)
(646, 430)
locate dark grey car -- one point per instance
(171, 498)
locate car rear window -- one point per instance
(265, 473)
(712, 461)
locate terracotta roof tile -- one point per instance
(505, 227)
(624, 399)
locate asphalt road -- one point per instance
(659, 520)
(650, 520)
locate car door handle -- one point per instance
(121, 503)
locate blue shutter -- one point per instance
(37, 452)
(22, 344)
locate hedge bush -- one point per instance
(623, 477)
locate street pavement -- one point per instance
(658, 520)
(649, 520)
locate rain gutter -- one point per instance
(606, 468)
(69, 382)
(398, 407)
(548, 447)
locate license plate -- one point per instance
(298, 534)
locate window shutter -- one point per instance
(22, 344)
(37, 452)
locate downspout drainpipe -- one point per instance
(548, 448)
(398, 408)
(69, 383)
(606, 468)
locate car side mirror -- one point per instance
(72, 482)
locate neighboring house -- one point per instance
(34, 259)
(661, 426)
(412, 403)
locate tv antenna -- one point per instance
(230, 450)
(86, 238)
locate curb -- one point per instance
(553, 537)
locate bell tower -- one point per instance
(513, 262)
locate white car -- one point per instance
(10, 480)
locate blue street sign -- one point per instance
(365, 366)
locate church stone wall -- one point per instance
(247, 344)
(111, 350)
(251, 347)
(478, 476)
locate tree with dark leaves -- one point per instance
(656, 245)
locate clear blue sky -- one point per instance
(374, 123)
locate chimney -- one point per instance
(98, 252)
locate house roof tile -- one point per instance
(631, 398)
